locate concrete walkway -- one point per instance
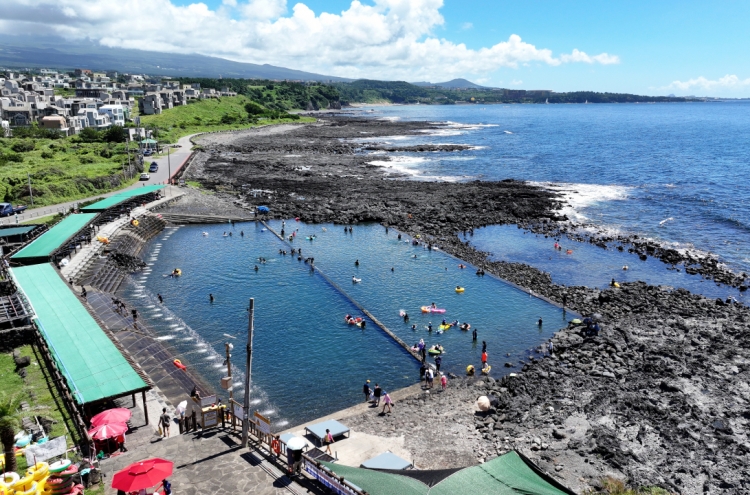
(167, 165)
(213, 463)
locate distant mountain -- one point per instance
(56, 53)
(452, 84)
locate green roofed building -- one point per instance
(509, 474)
(115, 200)
(42, 248)
(93, 367)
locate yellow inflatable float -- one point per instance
(460, 289)
(102, 239)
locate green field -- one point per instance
(213, 114)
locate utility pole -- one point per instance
(248, 367)
(127, 143)
(169, 170)
(31, 195)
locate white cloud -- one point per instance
(466, 26)
(516, 82)
(389, 39)
(578, 56)
(726, 82)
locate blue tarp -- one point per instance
(263, 209)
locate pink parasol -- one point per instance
(117, 415)
(104, 432)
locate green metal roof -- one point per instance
(44, 245)
(16, 230)
(504, 475)
(93, 367)
(120, 197)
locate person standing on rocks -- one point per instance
(161, 299)
(366, 390)
(423, 351)
(430, 377)
(377, 393)
(443, 381)
(438, 362)
(387, 402)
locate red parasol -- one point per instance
(117, 415)
(141, 475)
(104, 432)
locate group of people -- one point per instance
(591, 327)
(374, 395)
(428, 374)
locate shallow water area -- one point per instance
(588, 264)
(306, 364)
(504, 316)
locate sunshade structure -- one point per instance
(104, 432)
(387, 460)
(116, 415)
(12, 231)
(91, 364)
(115, 200)
(142, 475)
(509, 474)
(42, 248)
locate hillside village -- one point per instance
(71, 102)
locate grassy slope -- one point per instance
(34, 389)
(203, 116)
(63, 174)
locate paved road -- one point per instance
(177, 157)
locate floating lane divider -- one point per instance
(336, 286)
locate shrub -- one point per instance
(228, 119)
(86, 159)
(89, 135)
(11, 157)
(253, 108)
(23, 146)
(105, 153)
(47, 155)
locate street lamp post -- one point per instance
(169, 171)
(248, 367)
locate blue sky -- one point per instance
(658, 42)
(654, 47)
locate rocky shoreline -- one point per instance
(665, 382)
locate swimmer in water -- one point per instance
(433, 306)
(256, 268)
(211, 297)
(356, 263)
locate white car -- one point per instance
(145, 177)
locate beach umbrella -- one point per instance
(142, 475)
(117, 415)
(104, 432)
(483, 403)
(296, 443)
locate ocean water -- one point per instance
(673, 172)
(588, 264)
(307, 362)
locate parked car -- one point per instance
(154, 167)
(147, 152)
(145, 176)
(7, 209)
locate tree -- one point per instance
(10, 421)
(115, 134)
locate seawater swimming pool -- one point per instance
(306, 361)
